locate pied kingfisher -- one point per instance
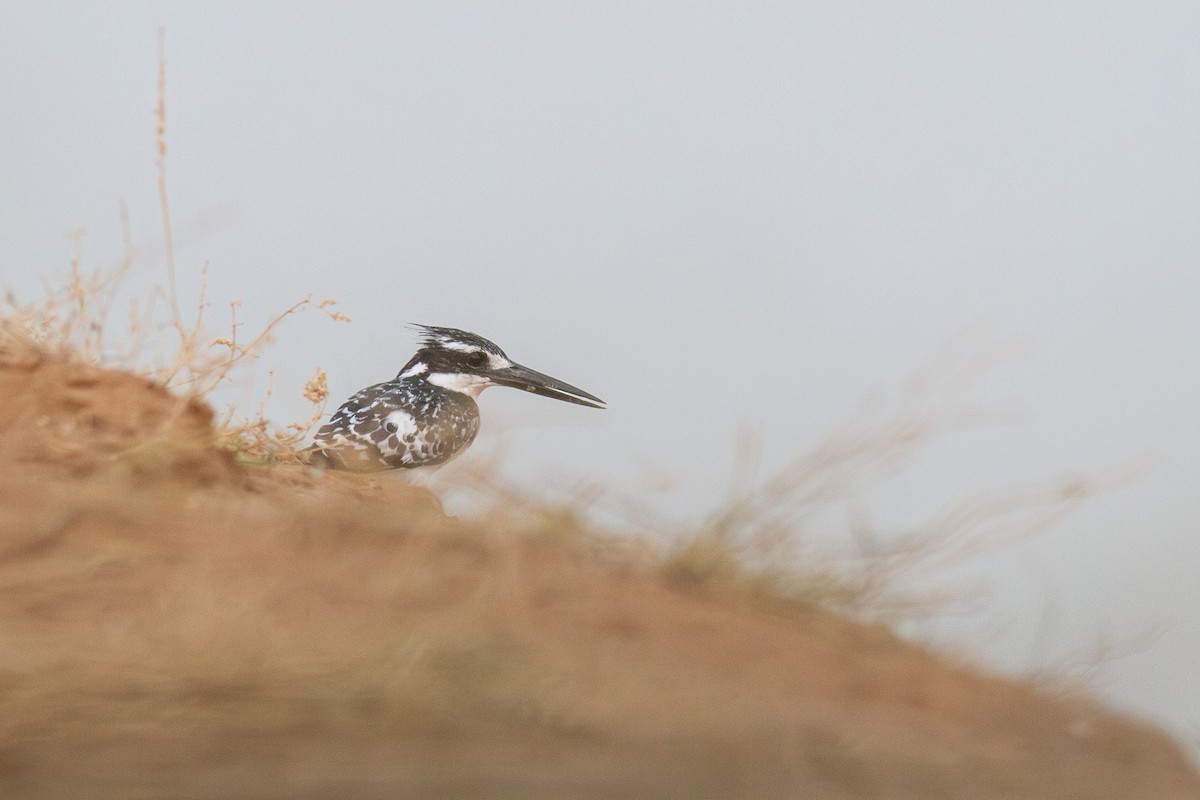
(427, 414)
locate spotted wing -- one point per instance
(396, 425)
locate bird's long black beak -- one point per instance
(520, 377)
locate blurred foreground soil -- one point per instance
(175, 625)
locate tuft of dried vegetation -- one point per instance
(76, 320)
(805, 534)
(775, 535)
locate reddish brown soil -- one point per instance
(173, 625)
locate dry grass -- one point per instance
(75, 320)
(804, 534)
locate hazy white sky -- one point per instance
(710, 215)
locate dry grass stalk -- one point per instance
(773, 535)
(73, 322)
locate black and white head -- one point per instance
(460, 361)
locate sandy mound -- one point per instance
(172, 625)
(81, 418)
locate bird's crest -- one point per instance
(438, 338)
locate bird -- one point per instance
(427, 414)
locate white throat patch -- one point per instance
(470, 385)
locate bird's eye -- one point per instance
(477, 359)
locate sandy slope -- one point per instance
(172, 625)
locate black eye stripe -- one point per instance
(477, 359)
